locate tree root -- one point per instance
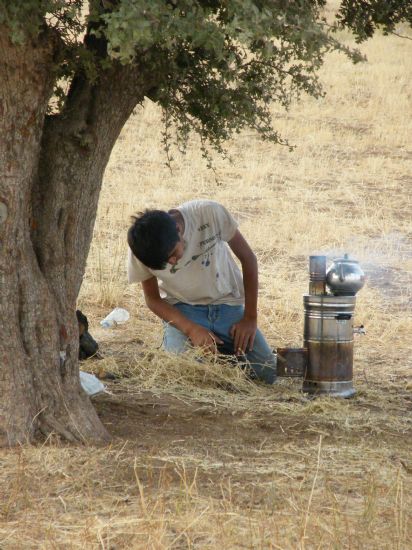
(48, 424)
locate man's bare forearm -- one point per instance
(250, 283)
(245, 254)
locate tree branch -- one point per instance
(401, 35)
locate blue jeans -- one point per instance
(219, 319)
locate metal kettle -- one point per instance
(345, 277)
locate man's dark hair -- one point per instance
(152, 237)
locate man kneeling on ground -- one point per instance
(191, 281)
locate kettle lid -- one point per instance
(345, 260)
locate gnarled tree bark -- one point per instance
(48, 204)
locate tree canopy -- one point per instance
(219, 64)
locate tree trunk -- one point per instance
(51, 169)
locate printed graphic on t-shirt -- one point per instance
(209, 242)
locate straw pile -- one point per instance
(202, 457)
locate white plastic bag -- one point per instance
(115, 317)
(91, 384)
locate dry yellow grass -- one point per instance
(202, 458)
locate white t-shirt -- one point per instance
(207, 272)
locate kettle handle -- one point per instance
(341, 277)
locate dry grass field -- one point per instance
(201, 457)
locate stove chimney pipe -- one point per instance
(317, 275)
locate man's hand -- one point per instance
(243, 334)
(201, 337)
